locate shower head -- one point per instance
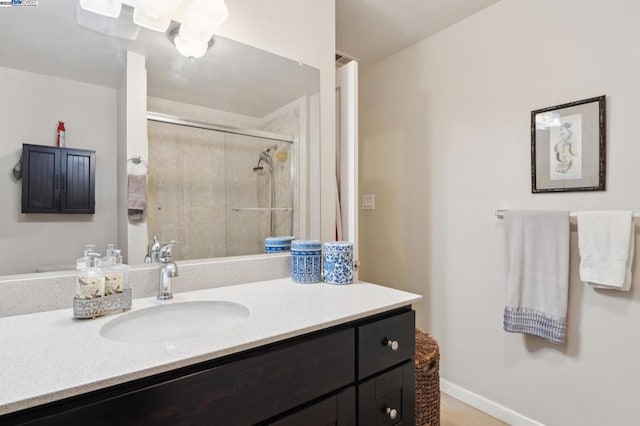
(265, 157)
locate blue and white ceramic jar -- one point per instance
(306, 258)
(338, 262)
(277, 244)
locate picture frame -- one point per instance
(568, 147)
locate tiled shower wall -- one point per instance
(197, 177)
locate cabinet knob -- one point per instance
(393, 344)
(392, 413)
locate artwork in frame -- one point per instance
(568, 147)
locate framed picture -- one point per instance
(568, 147)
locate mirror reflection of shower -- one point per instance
(265, 158)
(203, 191)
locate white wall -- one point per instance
(445, 142)
(30, 107)
(302, 30)
(132, 141)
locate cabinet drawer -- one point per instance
(388, 399)
(377, 340)
(244, 392)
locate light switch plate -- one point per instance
(368, 201)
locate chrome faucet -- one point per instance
(168, 269)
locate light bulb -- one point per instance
(190, 31)
(190, 48)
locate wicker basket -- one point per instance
(427, 359)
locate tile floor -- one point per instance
(456, 413)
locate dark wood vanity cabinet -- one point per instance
(386, 371)
(322, 378)
(58, 180)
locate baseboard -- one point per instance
(492, 408)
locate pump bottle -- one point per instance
(90, 280)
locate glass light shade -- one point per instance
(110, 8)
(216, 12)
(122, 27)
(205, 16)
(152, 21)
(160, 7)
(191, 48)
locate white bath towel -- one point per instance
(537, 273)
(606, 244)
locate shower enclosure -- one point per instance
(217, 190)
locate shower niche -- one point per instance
(219, 191)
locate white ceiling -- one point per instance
(371, 30)
(233, 77)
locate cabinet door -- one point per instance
(40, 179)
(77, 176)
(338, 410)
(388, 399)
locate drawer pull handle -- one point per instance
(392, 413)
(393, 344)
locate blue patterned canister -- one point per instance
(306, 258)
(338, 262)
(277, 244)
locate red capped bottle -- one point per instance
(61, 135)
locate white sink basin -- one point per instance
(175, 321)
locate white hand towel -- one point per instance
(537, 273)
(606, 244)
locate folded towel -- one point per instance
(136, 196)
(537, 273)
(606, 244)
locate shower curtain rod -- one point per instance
(500, 214)
(172, 119)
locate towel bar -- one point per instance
(500, 214)
(136, 160)
(281, 209)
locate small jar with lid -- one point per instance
(338, 262)
(306, 261)
(277, 244)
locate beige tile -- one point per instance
(457, 413)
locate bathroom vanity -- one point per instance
(306, 355)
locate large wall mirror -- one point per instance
(225, 155)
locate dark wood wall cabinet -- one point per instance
(58, 180)
(313, 380)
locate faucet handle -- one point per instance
(166, 251)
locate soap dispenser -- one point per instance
(81, 263)
(116, 275)
(90, 280)
(108, 259)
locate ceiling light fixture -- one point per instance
(198, 19)
(191, 48)
(102, 7)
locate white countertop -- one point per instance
(48, 356)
